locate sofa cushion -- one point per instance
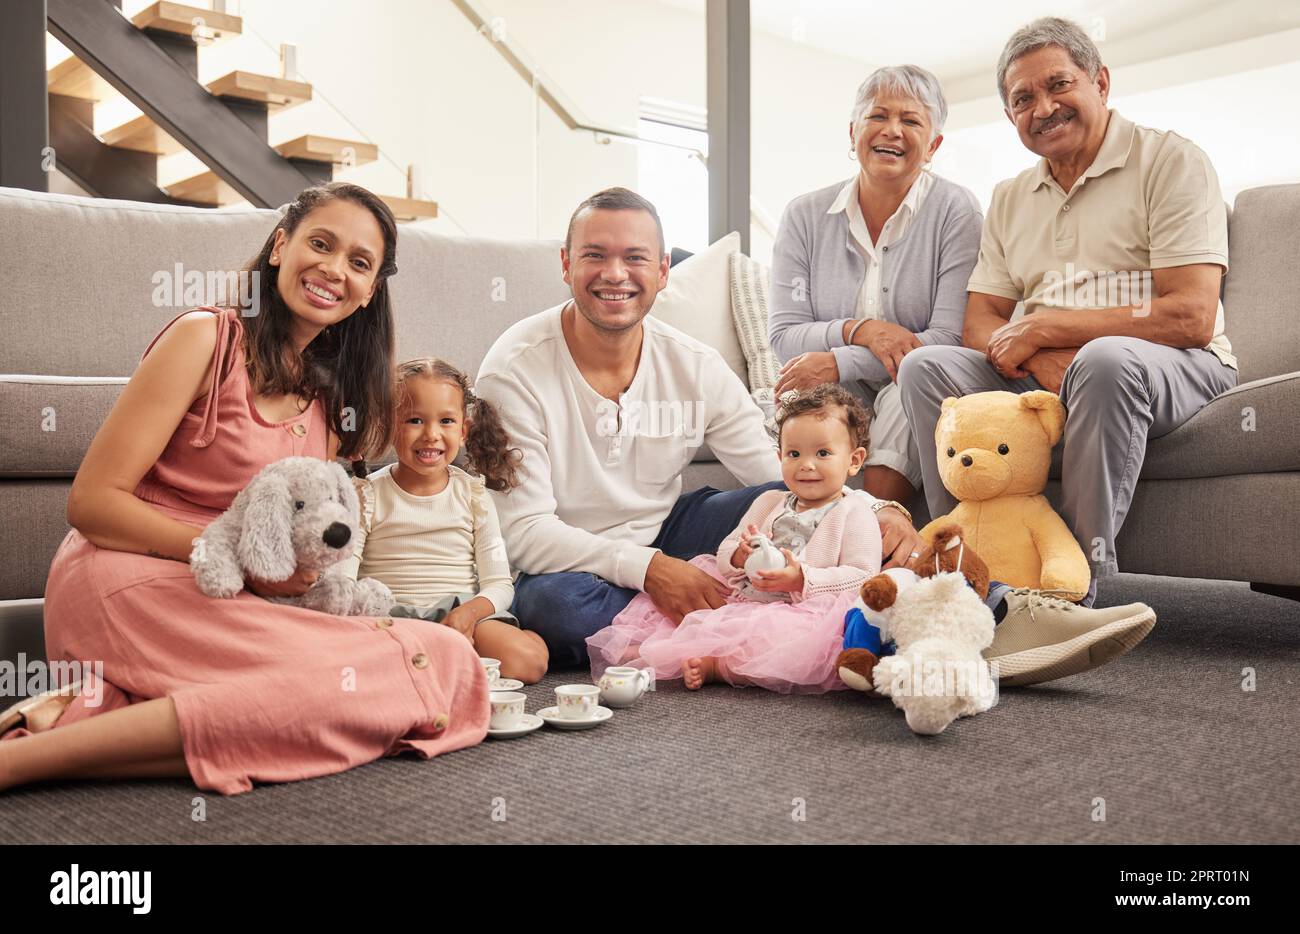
(48, 422)
(749, 289)
(698, 474)
(1220, 528)
(35, 514)
(101, 275)
(1253, 428)
(454, 296)
(1261, 294)
(697, 301)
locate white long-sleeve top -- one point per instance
(600, 477)
(428, 547)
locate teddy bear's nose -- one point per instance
(337, 535)
(966, 460)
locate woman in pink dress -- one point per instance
(234, 691)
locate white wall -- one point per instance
(417, 79)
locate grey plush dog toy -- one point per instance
(297, 512)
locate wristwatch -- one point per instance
(880, 504)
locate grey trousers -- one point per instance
(1118, 393)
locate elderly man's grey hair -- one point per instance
(906, 81)
(1049, 30)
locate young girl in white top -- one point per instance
(429, 530)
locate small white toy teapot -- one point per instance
(623, 686)
(765, 557)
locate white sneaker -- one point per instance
(1044, 637)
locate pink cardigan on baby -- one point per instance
(843, 552)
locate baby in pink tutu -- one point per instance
(782, 630)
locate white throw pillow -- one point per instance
(697, 302)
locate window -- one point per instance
(671, 170)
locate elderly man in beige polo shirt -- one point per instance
(1115, 242)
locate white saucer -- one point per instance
(528, 723)
(505, 684)
(552, 716)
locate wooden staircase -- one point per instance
(120, 161)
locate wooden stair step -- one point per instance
(276, 93)
(179, 18)
(206, 188)
(141, 135)
(327, 149)
(410, 209)
(74, 78)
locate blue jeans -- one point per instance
(566, 608)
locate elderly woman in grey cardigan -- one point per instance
(865, 271)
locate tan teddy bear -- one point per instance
(995, 449)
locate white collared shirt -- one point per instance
(870, 295)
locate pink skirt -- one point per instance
(784, 647)
(263, 691)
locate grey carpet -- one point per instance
(1165, 735)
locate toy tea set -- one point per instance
(577, 706)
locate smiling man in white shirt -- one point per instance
(608, 405)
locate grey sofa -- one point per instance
(85, 285)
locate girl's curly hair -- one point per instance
(823, 401)
(487, 444)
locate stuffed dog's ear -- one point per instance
(1051, 413)
(265, 540)
(344, 489)
(879, 592)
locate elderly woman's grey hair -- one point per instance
(1049, 30)
(906, 81)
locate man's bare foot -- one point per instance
(698, 672)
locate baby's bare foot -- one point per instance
(699, 671)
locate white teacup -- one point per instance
(507, 710)
(577, 701)
(492, 667)
(621, 686)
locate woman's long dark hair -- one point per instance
(349, 365)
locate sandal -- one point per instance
(17, 715)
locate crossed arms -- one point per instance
(1043, 344)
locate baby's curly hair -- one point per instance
(487, 445)
(823, 401)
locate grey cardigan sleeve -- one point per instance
(959, 247)
(791, 327)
